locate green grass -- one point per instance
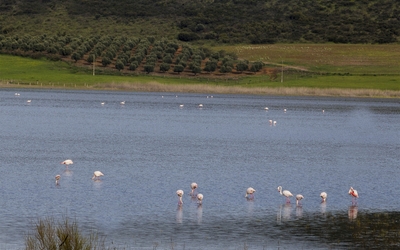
(25, 72)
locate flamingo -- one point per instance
(180, 194)
(285, 193)
(354, 194)
(122, 103)
(266, 108)
(67, 162)
(284, 110)
(250, 192)
(199, 199)
(29, 101)
(96, 175)
(103, 103)
(274, 123)
(181, 106)
(193, 186)
(200, 105)
(299, 197)
(270, 122)
(57, 178)
(323, 195)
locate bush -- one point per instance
(49, 234)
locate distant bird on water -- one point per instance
(199, 199)
(354, 194)
(67, 162)
(122, 103)
(193, 186)
(299, 197)
(180, 194)
(96, 175)
(285, 193)
(250, 193)
(57, 178)
(323, 195)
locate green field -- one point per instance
(308, 69)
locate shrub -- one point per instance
(49, 234)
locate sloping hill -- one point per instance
(225, 21)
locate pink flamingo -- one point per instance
(354, 194)
(299, 197)
(285, 193)
(57, 178)
(96, 175)
(193, 186)
(250, 192)
(180, 194)
(323, 195)
(67, 162)
(199, 199)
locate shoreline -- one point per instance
(212, 89)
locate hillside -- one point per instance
(221, 21)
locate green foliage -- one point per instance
(178, 68)
(164, 67)
(119, 65)
(148, 68)
(64, 235)
(242, 66)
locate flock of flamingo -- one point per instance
(250, 195)
(96, 174)
(249, 192)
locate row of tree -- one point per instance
(125, 53)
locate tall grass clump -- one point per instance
(64, 235)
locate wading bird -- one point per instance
(354, 194)
(67, 162)
(285, 193)
(193, 186)
(96, 175)
(250, 192)
(199, 199)
(323, 195)
(299, 197)
(180, 194)
(57, 178)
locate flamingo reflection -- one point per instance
(353, 210)
(179, 215)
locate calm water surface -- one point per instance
(150, 147)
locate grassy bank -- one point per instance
(26, 72)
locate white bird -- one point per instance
(180, 194)
(199, 198)
(122, 103)
(57, 178)
(323, 195)
(270, 122)
(29, 101)
(17, 94)
(266, 108)
(285, 193)
(274, 123)
(181, 106)
(193, 186)
(299, 197)
(96, 175)
(103, 103)
(200, 105)
(250, 192)
(67, 162)
(284, 110)
(354, 194)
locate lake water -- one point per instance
(150, 147)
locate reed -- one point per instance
(52, 235)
